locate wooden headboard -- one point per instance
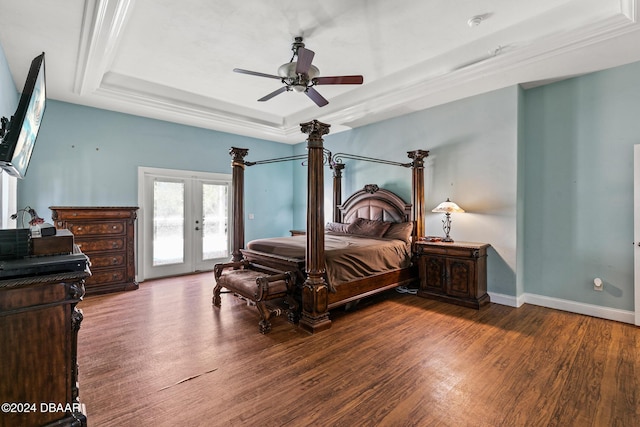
(375, 203)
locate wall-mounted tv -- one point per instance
(19, 134)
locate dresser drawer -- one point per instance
(107, 260)
(99, 245)
(96, 228)
(111, 275)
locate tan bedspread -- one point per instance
(348, 257)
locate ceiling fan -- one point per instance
(301, 76)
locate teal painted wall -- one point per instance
(578, 218)
(546, 175)
(8, 91)
(90, 157)
(473, 146)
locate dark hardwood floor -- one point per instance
(163, 356)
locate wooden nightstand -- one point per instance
(453, 272)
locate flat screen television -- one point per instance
(19, 133)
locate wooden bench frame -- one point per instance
(257, 284)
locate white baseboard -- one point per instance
(618, 315)
(503, 299)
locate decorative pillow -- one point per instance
(368, 227)
(336, 227)
(400, 231)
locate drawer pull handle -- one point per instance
(114, 227)
(114, 261)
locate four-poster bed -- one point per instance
(371, 219)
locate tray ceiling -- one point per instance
(173, 60)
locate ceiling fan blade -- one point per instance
(316, 97)
(339, 80)
(305, 57)
(255, 73)
(272, 94)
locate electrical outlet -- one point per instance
(598, 285)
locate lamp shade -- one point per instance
(447, 207)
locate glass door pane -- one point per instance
(168, 222)
(215, 241)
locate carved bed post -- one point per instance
(337, 190)
(315, 313)
(237, 182)
(417, 189)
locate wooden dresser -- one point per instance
(107, 236)
(453, 272)
(39, 325)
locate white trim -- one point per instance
(629, 9)
(102, 26)
(508, 300)
(8, 200)
(608, 313)
(581, 308)
(172, 173)
(636, 231)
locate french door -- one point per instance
(185, 221)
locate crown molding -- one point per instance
(191, 109)
(102, 25)
(410, 90)
(630, 9)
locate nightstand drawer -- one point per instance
(452, 249)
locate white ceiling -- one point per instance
(173, 60)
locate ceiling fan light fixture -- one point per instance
(288, 71)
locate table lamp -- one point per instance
(447, 208)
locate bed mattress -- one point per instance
(348, 257)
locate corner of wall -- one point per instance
(520, 188)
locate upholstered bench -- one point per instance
(257, 284)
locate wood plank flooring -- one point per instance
(164, 356)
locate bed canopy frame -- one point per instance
(315, 309)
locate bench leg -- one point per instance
(292, 312)
(265, 314)
(216, 295)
